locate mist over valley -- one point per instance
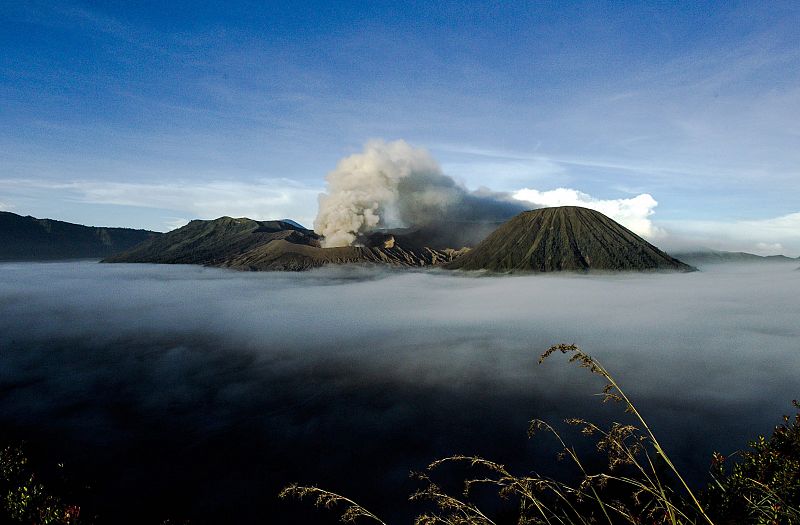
(204, 390)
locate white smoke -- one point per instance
(393, 184)
(633, 213)
(362, 190)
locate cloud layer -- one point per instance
(204, 390)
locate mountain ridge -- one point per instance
(27, 238)
(246, 244)
(709, 256)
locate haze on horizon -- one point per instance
(683, 116)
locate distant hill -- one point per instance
(699, 257)
(564, 238)
(293, 223)
(29, 238)
(272, 245)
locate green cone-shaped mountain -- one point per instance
(564, 238)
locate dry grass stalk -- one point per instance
(635, 459)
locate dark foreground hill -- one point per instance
(565, 238)
(273, 245)
(30, 239)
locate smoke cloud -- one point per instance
(393, 185)
(204, 391)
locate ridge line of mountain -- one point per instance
(29, 238)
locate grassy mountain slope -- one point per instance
(207, 242)
(565, 238)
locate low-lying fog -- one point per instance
(206, 390)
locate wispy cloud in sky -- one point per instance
(772, 236)
(260, 200)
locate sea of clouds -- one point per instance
(204, 390)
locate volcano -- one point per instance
(566, 238)
(246, 244)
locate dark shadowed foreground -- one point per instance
(197, 393)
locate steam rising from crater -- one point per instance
(393, 184)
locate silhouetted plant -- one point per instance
(760, 485)
(25, 499)
(640, 484)
(326, 499)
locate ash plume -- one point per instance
(395, 185)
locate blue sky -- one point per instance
(153, 114)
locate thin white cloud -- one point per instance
(706, 114)
(772, 248)
(173, 223)
(772, 236)
(633, 213)
(503, 173)
(260, 200)
(542, 164)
